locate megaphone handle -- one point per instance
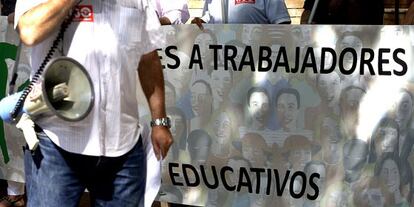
(27, 126)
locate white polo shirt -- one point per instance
(108, 39)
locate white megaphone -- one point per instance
(65, 89)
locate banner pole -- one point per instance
(312, 14)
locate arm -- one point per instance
(277, 13)
(36, 24)
(152, 81)
(305, 17)
(165, 21)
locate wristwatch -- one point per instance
(161, 122)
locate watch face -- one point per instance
(161, 122)
(167, 122)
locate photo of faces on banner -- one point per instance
(245, 137)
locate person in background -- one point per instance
(15, 190)
(7, 9)
(243, 12)
(15, 195)
(171, 11)
(104, 152)
(367, 12)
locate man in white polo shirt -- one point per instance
(103, 152)
(244, 12)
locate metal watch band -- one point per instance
(161, 122)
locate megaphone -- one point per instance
(65, 89)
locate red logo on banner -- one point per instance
(83, 13)
(245, 1)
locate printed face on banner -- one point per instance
(355, 155)
(251, 34)
(350, 41)
(259, 107)
(330, 130)
(353, 97)
(329, 86)
(391, 175)
(404, 110)
(201, 99)
(349, 103)
(287, 111)
(255, 155)
(386, 140)
(199, 148)
(222, 82)
(299, 157)
(222, 124)
(204, 40)
(170, 34)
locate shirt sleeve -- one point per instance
(206, 13)
(152, 37)
(22, 6)
(277, 12)
(175, 10)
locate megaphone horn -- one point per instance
(65, 89)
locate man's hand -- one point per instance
(164, 21)
(161, 141)
(199, 22)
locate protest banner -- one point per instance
(284, 115)
(276, 115)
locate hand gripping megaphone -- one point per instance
(65, 89)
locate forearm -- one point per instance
(152, 82)
(165, 21)
(305, 17)
(36, 24)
